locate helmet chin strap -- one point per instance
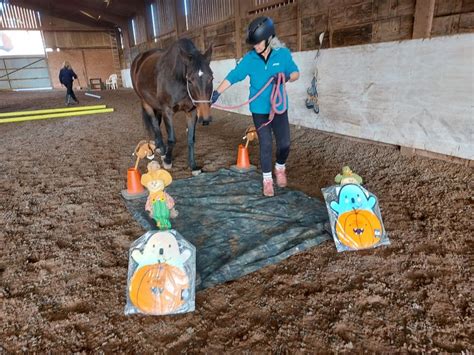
(267, 43)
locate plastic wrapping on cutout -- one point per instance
(354, 215)
(161, 274)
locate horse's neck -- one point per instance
(172, 59)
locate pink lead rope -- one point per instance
(276, 99)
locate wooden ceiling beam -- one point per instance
(71, 11)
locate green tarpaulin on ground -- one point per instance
(234, 228)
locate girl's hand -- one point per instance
(215, 96)
(275, 77)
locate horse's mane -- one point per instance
(173, 58)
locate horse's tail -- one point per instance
(158, 116)
(148, 120)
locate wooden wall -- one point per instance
(453, 16)
(299, 23)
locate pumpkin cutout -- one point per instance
(158, 288)
(358, 229)
(161, 274)
(355, 218)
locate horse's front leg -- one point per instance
(168, 117)
(191, 119)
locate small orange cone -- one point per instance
(243, 161)
(134, 186)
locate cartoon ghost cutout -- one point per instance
(352, 197)
(159, 284)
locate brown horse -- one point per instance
(172, 80)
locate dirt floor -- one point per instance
(65, 234)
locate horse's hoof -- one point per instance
(165, 164)
(196, 172)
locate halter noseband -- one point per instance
(197, 101)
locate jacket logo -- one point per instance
(275, 64)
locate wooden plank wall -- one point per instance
(299, 22)
(165, 16)
(203, 13)
(454, 16)
(76, 39)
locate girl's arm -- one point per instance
(294, 76)
(237, 74)
(223, 86)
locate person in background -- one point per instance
(66, 78)
(268, 58)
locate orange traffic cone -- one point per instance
(134, 186)
(243, 162)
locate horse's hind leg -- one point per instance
(152, 120)
(191, 120)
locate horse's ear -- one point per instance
(208, 53)
(185, 55)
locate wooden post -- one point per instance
(125, 35)
(244, 5)
(238, 40)
(147, 36)
(329, 30)
(424, 12)
(298, 24)
(179, 17)
(202, 39)
(85, 73)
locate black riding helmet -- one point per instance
(260, 29)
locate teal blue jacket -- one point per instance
(254, 66)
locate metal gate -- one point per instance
(24, 73)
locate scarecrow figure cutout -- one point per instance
(159, 204)
(347, 177)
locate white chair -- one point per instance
(111, 82)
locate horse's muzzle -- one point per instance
(204, 114)
(205, 121)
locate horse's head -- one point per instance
(199, 82)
